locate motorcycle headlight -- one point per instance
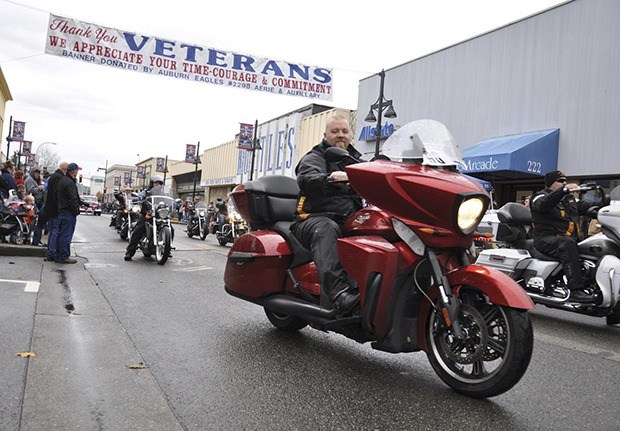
(135, 209)
(202, 214)
(236, 216)
(469, 211)
(163, 212)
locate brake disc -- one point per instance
(473, 347)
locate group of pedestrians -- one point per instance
(55, 205)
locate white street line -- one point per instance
(193, 269)
(579, 347)
(31, 286)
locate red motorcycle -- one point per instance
(410, 253)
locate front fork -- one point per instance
(448, 302)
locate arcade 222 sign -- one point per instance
(91, 43)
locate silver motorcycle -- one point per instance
(543, 277)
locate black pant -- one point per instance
(565, 249)
(137, 234)
(319, 235)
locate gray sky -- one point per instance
(98, 113)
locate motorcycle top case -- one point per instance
(505, 260)
(266, 200)
(257, 264)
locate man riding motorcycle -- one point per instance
(155, 187)
(555, 229)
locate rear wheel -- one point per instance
(284, 322)
(494, 354)
(162, 247)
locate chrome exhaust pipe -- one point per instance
(544, 299)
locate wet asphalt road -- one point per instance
(134, 346)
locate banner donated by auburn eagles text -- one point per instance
(91, 43)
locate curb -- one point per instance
(22, 250)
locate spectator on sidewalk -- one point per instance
(34, 187)
(7, 182)
(50, 211)
(68, 201)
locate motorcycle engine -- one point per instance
(588, 268)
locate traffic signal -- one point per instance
(80, 177)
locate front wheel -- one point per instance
(284, 322)
(162, 248)
(613, 318)
(494, 354)
(204, 232)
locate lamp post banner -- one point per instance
(190, 153)
(161, 165)
(246, 137)
(140, 172)
(91, 43)
(127, 178)
(26, 148)
(19, 129)
(117, 181)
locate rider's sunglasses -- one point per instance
(561, 180)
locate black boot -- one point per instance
(581, 296)
(346, 301)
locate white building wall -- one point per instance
(556, 69)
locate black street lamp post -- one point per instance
(255, 146)
(380, 105)
(105, 179)
(196, 161)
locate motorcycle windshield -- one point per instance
(426, 142)
(159, 201)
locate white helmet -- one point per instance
(157, 179)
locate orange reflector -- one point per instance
(428, 230)
(446, 316)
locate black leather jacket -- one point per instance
(556, 213)
(317, 195)
(67, 196)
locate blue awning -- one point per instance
(485, 184)
(529, 154)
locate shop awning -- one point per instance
(485, 184)
(524, 155)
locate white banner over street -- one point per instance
(91, 43)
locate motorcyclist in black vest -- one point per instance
(323, 207)
(155, 187)
(556, 229)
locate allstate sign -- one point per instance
(368, 132)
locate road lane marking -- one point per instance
(579, 347)
(31, 286)
(193, 269)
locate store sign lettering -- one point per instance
(368, 133)
(489, 164)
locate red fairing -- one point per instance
(420, 196)
(364, 255)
